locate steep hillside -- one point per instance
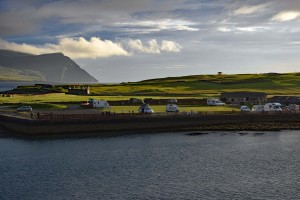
(56, 67)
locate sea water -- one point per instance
(218, 165)
(9, 85)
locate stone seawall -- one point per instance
(142, 124)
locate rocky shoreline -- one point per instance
(145, 124)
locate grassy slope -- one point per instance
(7, 74)
(206, 85)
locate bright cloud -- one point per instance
(93, 48)
(186, 28)
(74, 48)
(251, 29)
(286, 16)
(246, 10)
(152, 46)
(242, 29)
(164, 24)
(224, 29)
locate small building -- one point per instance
(242, 98)
(285, 100)
(7, 95)
(79, 91)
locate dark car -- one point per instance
(24, 108)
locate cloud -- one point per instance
(176, 67)
(16, 24)
(186, 28)
(243, 29)
(169, 67)
(251, 29)
(170, 46)
(160, 25)
(286, 16)
(94, 48)
(224, 29)
(246, 10)
(152, 46)
(30, 16)
(74, 48)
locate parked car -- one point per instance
(245, 109)
(24, 108)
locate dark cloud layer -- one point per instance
(233, 36)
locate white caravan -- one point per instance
(215, 102)
(98, 104)
(172, 108)
(269, 107)
(258, 108)
(145, 108)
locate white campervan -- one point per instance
(98, 104)
(215, 102)
(172, 108)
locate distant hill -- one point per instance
(206, 85)
(16, 66)
(191, 86)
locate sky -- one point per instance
(133, 40)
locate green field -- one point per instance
(198, 86)
(47, 106)
(206, 85)
(66, 98)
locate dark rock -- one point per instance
(197, 133)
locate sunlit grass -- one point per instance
(61, 98)
(47, 106)
(206, 85)
(183, 108)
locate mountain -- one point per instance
(55, 67)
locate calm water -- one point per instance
(4, 86)
(159, 166)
